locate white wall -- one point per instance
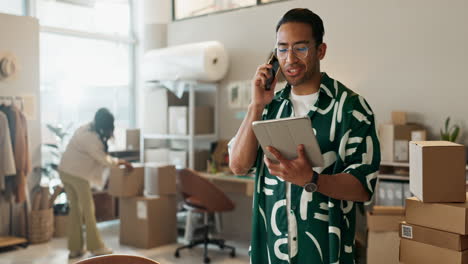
(20, 36)
(401, 55)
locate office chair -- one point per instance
(117, 259)
(201, 195)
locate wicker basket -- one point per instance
(41, 225)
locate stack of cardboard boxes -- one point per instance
(384, 217)
(395, 137)
(147, 204)
(436, 227)
(382, 236)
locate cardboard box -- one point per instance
(157, 155)
(203, 120)
(399, 118)
(178, 120)
(412, 252)
(434, 237)
(450, 217)
(437, 171)
(382, 248)
(201, 157)
(158, 99)
(148, 222)
(418, 135)
(178, 158)
(160, 179)
(394, 141)
(401, 152)
(104, 206)
(126, 184)
(132, 139)
(385, 218)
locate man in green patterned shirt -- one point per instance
(303, 214)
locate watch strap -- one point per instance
(315, 177)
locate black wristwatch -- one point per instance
(312, 186)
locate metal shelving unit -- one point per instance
(191, 87)
(393, 177)
(396, 177)
(394, 164)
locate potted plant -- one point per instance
(449, 133)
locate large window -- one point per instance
(14, 7)
(100, 16)
(86, 49)
(79, 75)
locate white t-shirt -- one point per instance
(303, 103)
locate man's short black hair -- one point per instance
(304, 15)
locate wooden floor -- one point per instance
(55, 251)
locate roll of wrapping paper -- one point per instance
(203, 61)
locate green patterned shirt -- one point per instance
(344, 125)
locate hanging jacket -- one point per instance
(7, 159)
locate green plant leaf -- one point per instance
(447, 122)
(455, 133)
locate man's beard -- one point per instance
(298, 81)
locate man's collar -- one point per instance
(327, 87)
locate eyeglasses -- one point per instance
(299, 50)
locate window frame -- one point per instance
(23, 12)
(258, 3)
(30, 7)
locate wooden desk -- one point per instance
(232, 183)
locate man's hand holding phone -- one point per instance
(265, 77)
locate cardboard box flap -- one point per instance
(388, 210)
(436, 144)
(461, 205)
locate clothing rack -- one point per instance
(17, 101)
(10, 241)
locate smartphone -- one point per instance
(274, 70)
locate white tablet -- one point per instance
(285, 134)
